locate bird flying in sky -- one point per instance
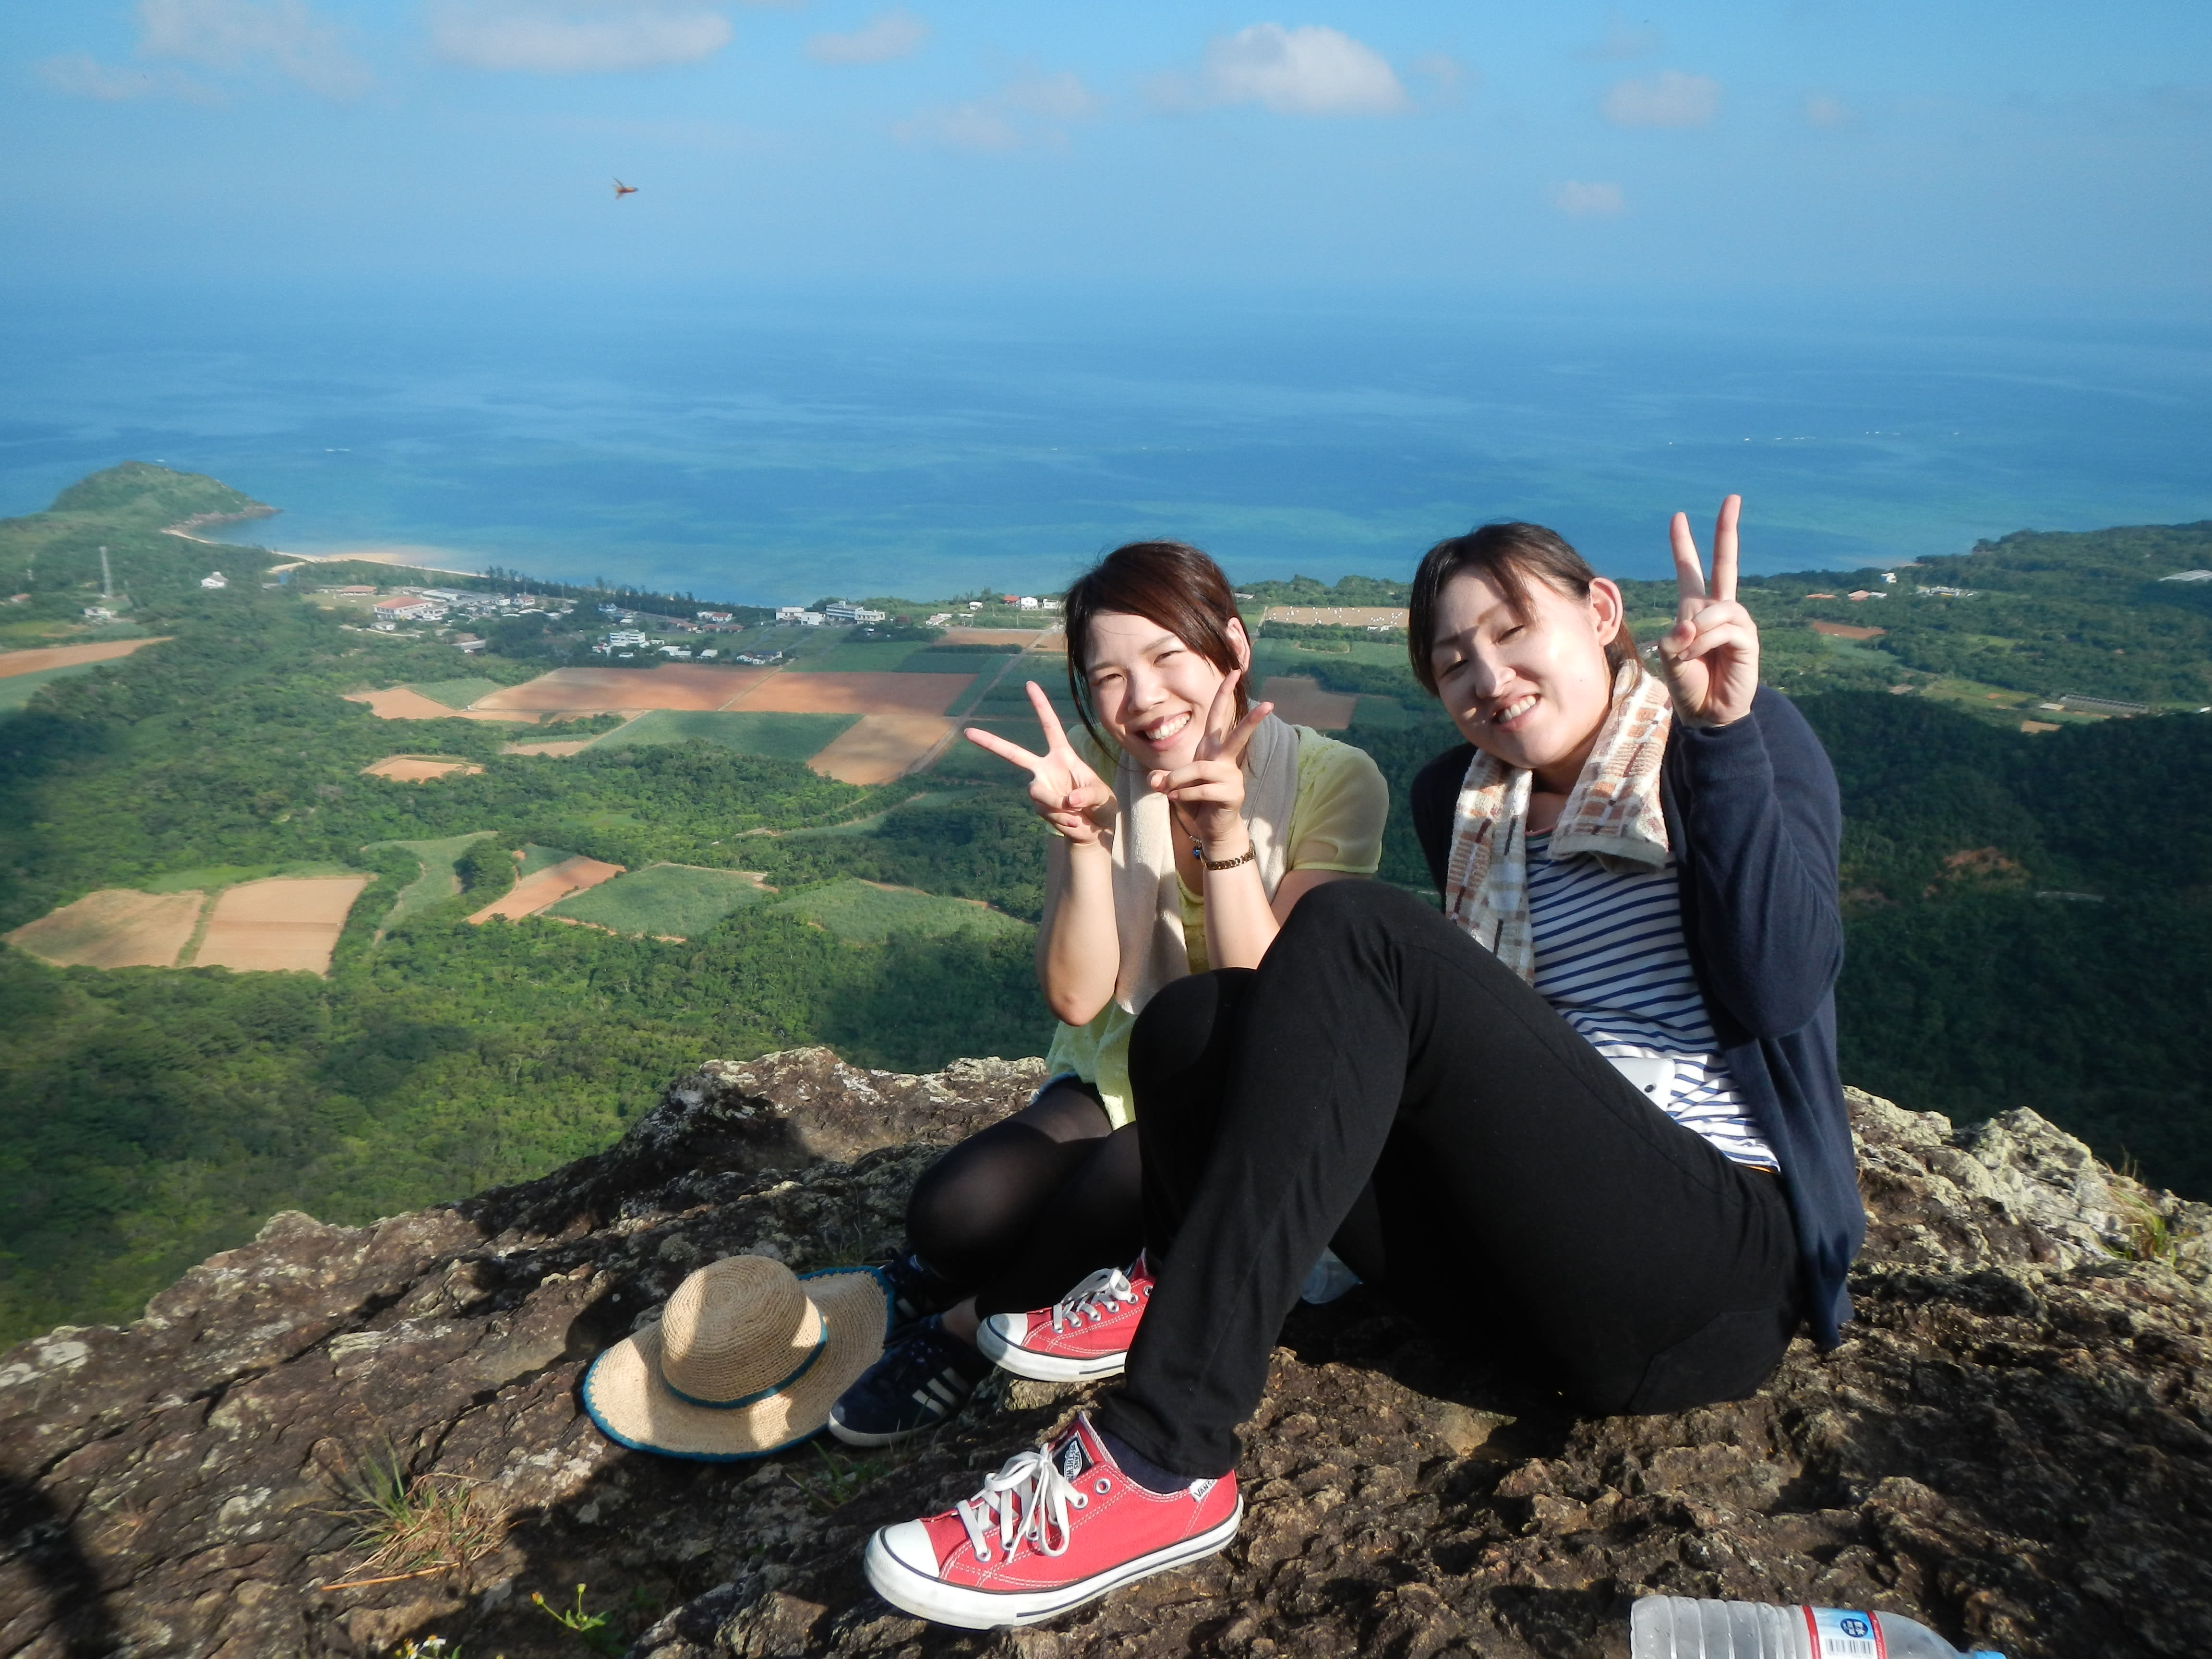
(623, 190)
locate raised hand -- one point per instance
(1063, 791)
(1208, 793)
(1711, 655)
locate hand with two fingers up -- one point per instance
(1063, 789)
(1710, 656)
(1207, 795)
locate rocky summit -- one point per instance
(358, 1441)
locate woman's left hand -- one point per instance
(1208, 794)
(1710, 656)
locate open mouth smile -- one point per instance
(1166, 731)
(1514, 711)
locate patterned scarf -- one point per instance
(1612, 813)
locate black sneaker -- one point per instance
(924, 1377)
(918, 1290)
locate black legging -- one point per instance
(1019, 1212)
(1642, 1270)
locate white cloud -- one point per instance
(1623, 41)
(576, 37)
(1309, 70)
(897, 33)
(1822, 110)
(1031, 109)
(1668, 98)
(1579, 200)
(235, 36)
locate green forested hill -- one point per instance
(152, 1116)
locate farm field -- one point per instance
(287, 923)
(1024, 637)
(777, 737)
(619, 691)
(668, 901)
(550, 746)
(455, 694)
(881, 656)
(115, 927)
(439, 879)
(547, 884)
(882, 747)
(417, 769)
(1301, 701)
(397, 702)
(855, 694)
(41, 658)
(867, 913)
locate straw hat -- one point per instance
(746, 1359)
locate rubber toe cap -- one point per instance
(908, 1544)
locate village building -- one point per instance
(214, 579)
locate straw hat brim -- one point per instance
(629, 1403)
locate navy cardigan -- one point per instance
(1754, 817)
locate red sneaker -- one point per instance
(1085, 1334)
(1052, 1529)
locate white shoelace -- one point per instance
(1106, 1286)
(1028, 1498)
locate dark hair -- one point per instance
(1509, 554)
(1170, 583)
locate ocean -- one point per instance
(787, 447)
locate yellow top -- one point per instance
(1336, 823)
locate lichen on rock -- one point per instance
(2013, 1443)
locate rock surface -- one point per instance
(2014, 1445)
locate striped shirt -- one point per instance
(1610, 958)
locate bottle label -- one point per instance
(1841, 1633)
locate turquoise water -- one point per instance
(782, 448)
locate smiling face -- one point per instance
(1531, 685)
(1150, 691)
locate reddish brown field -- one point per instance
(853, 693)
(397, 703)
(1302, 702)
(1845, 631)
(548, 886)
(880, 747)
(553, 746)
(114, 927)
(610, 690)
(416, 769)
(287, 923)
(68, 656)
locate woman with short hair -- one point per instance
(1190, 823)
(1588, 1116)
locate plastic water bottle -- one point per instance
(1676, 1627)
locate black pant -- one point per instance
(1019, 1212)
(1377, 1043)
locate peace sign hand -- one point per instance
(1063, 791)
(1208, 793)
(1710, 656)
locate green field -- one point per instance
(455, 694)
(439, 879)
(1385, 715)
(677, 901)
(775, 737)
(17, 690)
(859, 911)
(871, 657)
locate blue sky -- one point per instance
(1869, 148)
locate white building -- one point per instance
(1029, 602)
(790, 613)
(627, 636)
(214, 579)
(408, 607)
(851, 613)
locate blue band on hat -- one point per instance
(821, 1342)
